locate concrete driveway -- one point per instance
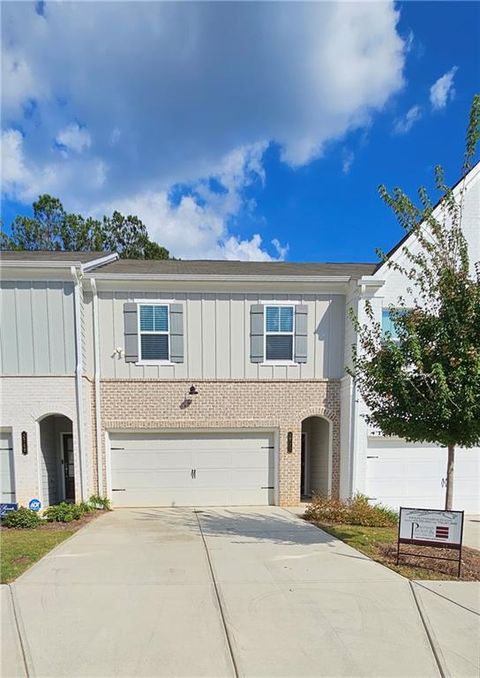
(214, 592)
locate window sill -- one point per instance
(279, 363)
(143, 363)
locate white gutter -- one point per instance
(96, 354)
(223, 278)
(107, 259)
(353, 438)
(78, 380)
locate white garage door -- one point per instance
(410, 474)
(192, 469)
(7, 486)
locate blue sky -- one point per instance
(237, 130)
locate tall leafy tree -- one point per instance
(424, 386)
(52, 228)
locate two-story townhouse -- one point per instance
(218, 382)
(390, 470)
(172, 382)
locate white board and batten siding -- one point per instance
(7, 473)
(217, 337)
(37, 328)
(192, 469)
(413, 475)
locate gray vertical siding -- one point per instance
(37, 334)
(217, 337)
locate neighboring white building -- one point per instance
(200, 383)
(389, 470)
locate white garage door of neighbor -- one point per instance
(7, 486)
(410, 474)
(192, 469)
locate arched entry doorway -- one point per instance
(57, 468)
(316, 470)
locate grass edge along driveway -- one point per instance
(21, 548)
(379, 543)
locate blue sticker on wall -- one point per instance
(35, 504)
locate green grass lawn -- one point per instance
(380, 544)
(21, 548)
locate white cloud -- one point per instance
(13, 164)
(443, 90)
(404, 124)
(171, 92)
(196, 225)
(347, 161)
(18, 82)
(282, 250)
(23, 179)
(74, 138)
(115, 136)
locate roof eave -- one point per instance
(221, 277)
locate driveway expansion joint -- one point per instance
(217, 595)
(434, 644)
(16, 615)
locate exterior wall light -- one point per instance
(193, 390)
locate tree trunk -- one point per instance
(449, 488)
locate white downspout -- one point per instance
(78, 380)
(96, 354)
(353, 438)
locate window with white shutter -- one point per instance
(153, 332)
(279, 333)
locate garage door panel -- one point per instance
(156, 469)
(145, 460)
(138, 479)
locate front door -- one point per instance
(68, 466)
(304, 467)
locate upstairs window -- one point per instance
(387, 324)
(279, 332)
(153, 332)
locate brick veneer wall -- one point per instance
(24, 401)
(153, 404)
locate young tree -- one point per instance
(51, 228)
(424, 386)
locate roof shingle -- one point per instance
(226, 268)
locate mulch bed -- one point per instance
(470, 570)
(62, 527)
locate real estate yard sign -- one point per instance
(428, 527)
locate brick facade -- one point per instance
(279, 405)
(25, 401)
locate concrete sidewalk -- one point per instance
(452, 611)
(222, 592)
(471, 531)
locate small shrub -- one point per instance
(356, 511)
(86, 507)
(64, 513)
(22, 518)
(100, 503)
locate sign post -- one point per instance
(428, 527)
